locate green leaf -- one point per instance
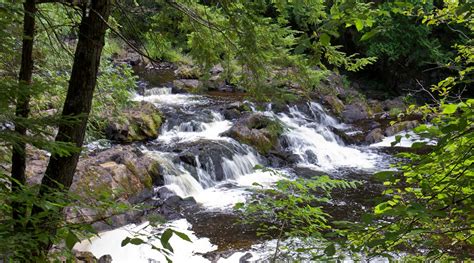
(182, 235)
(449, 108)
(165, 238)
(384, 175)
(136, 241)
(125, 241)
(368, 35)
(330, 250)
(398, 138)
(359, 24)
(324, 39)
(239, 205)
(71, 240)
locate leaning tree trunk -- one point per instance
(22, 102)
(78, 102)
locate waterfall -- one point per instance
(158, 91)
(311, 139)
(239, 165)
(175, 176)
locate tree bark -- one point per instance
(80, 92)
(22, 101)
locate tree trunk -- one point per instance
(22, 101)
(78, 102)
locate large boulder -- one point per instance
(374, 136)
(188, 84)
(185, 71)
(334, 104)
(122, 174)
(257, 130)
(355, 112)
(401, 126)
(122, 170)
(140, 122)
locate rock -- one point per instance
(355, 112)
(173, 207)
(376, 107)
(217, 82)
(187, 72)
(257, 130)
(105, 259)
(346, 139)
(374, 136)
(394, 106)
(210, 155)
(122, 174)
(401, 126)
(188, 84)
(85, 257)
(217, 69)
(232, 114)
(245, 258)
(334, 104)
(141, 122)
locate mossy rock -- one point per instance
(401, 126)
(258, 131)
(141, 122)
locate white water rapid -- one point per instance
(198, 161)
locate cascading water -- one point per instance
(197, 160)
(157, 91)
(311, 139)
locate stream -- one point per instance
(217, 172)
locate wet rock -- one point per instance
(188, 158)
(130, 57)
(105, 259)
(376, 106)
(281, 158)
(164, 193)
(245, 258)
(188, 84)
(401, 126)
(141, 122)
(210, 155)
(394, 104)
(257, 130)
(85, 257)
(174, 206)
(374, 136)
(334, 104)
(88, 257)
(305, 172)
(355, 112)
(346, 139)
(232, 114)
(217, 82)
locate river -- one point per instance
(222, 173)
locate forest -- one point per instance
(236, 131)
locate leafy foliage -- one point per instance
(292, 212)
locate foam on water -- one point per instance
(110, 243)
(405, 141)
(194, 131)
(311, 139)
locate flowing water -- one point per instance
(198, 161)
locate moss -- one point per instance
(395, 111)
(267, 138)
